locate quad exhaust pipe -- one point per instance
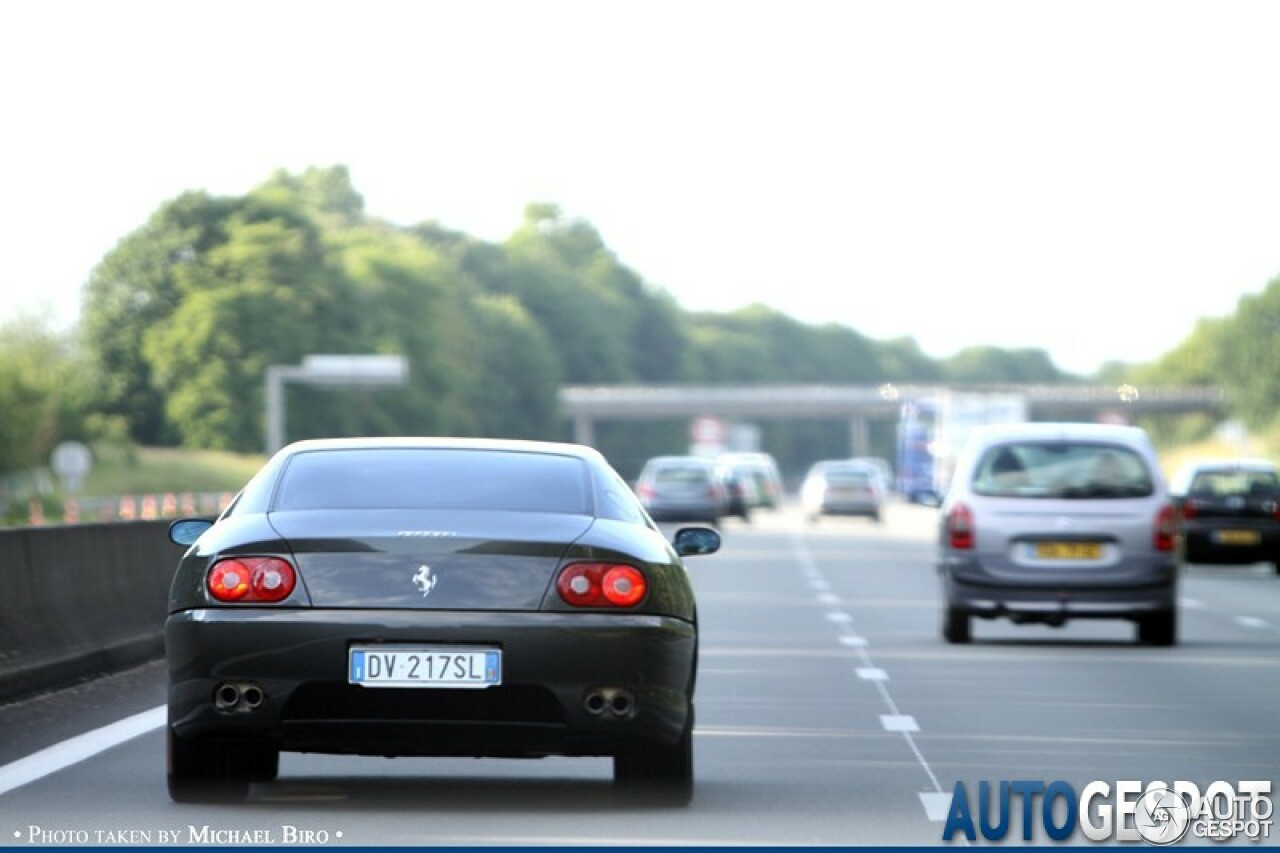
(238, 696)
(615, 702)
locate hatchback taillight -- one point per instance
(960, 528)
(1189, 509)
(601, 585)
(1166, 532)
(251, 580)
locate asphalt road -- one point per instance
(829, 713)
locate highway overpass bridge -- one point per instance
(584, 405)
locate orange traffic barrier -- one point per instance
(188, 504)
(36, 511)
(71, 512)
(149, 508)
(128, 509)
(169, 505)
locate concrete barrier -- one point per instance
(77, 601)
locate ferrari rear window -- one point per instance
(435, 478)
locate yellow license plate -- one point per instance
(1239, 537)
(1068, 550)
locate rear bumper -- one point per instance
(1200, 545)
(1057, 600)
(849, 508)
(551, 662)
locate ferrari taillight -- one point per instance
(601, 585)
(251, 580)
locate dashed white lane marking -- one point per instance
(899, 723)
(871, 673)
(1191, 603)
(829, 599)
(80, 748)
(1251, 622)
(936, 803)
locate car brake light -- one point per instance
(601, 585)
(1189, 509)
(1166, 528)
(252, 579)
(960, 528)
(644, 492)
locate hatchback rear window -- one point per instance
(847, 477)
(682, 474)
(429, 478)
(1234, 483)
(1062, 469)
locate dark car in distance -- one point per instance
(1229, 512)
(431, 597)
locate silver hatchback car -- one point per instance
(1046, 522)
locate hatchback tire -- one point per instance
(1159, 629)
(955, 625)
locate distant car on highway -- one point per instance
(763, 469)
(843, 487)
(683, 488)
(1229, 511)
(431, 597)
(744, 493)
(883, 466)
(1049, 522)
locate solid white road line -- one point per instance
(62, 755)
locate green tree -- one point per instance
(1249, 356)
(264, 296)
(518, 372)
(133, 289)
(995, 365)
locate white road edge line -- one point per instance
(1251, 622)
(80, 748)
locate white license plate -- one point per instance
(424, 666)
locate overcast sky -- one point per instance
(1086, 177)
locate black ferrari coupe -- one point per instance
(431, 597)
